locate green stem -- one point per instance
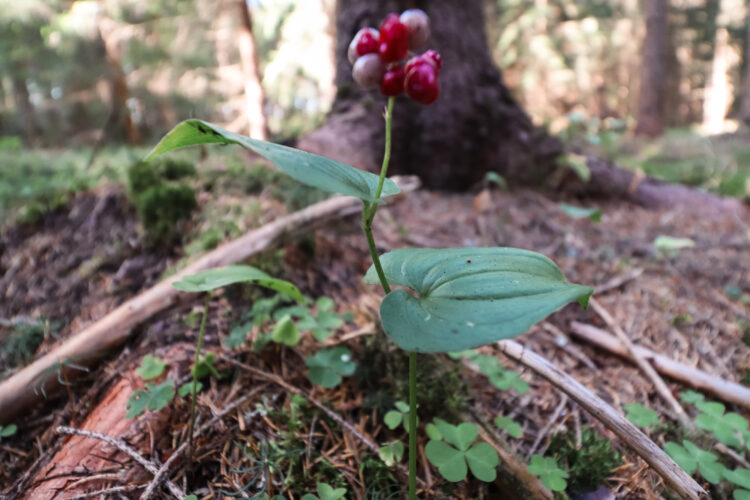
(195, 379)
(368, 215)
(412, 425)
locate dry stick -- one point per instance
(149, 466)
(18, 392)
(644, 365)
(673, 475)
(160, 475)
(724, 389)
(333, 415)
(105, 492)
(550, 422)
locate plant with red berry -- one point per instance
(462, 297)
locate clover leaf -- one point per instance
(547, 470)
(452, 462)
(394, 418)
(724, 427)
(151, 367)
(499, 377)
(328, 365)
(391, 453)
(326, 492)
(285, 332)
(187, 388)
(691, 458)
(640, 415)
(740, 477)
(691, 397)
(512, 427)
(153, 397)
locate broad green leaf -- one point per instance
(449, 461)
(741, 495)
(465, 435)
(211, 279)
(151, 367)
(512, 427)
(8, 430)
(483, 460)
(285, 332)
(551, 475)
(681, 456)
(307, 168)
(328, 365)
(740, 477)
(595, 214)
(393, 419)
(469, 297)
(640, 415)
(154, 397)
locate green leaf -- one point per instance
(211, 279)
(8, 430)
(670, 244)
(681, 456)
(401, 406)
(285, 332)
(154, 397)
(328, 365)
(238, 335)
(483, 460)
(391, 453)
(151, 367)
(497, 179)
(393, 419)
(691, 397)
(547, 470)
(741, 495)
(190, 497)
(722, 426)
(205, 367)
(469, 296)
(307, 168)
(512, 427)
(640, 415)
(508, 379)
(578, 164)
(740, 477)
(187, 388)
(593, 213)
(432, 431)
(450, 462)
(326, 492)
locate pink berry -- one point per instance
(364, 42)
(431, 54)
(422, 84)
(368, 70)
(394, 39)
(393, 80)
(418, 25)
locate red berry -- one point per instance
(422, 84)
(417, 60)
(435, 57)
(418, 25)
(393, 80)
(394, 39)
(368, 71)
(364, 42)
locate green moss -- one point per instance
(590, 465)
(380, 484)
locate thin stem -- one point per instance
(367, 227)
(412, 425)
(386, 159)
(195, 379)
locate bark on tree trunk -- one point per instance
(253, 89)
(650, 117)
(476, 125)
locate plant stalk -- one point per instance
(195, 379)
(368, 215)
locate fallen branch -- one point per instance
(727, 391)
(673, 475)
(23, 389)
(644, 365)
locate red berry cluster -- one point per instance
(378, 57)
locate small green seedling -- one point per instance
(396, 417)
(326, 492)
(7, 430)
(452, 462)
(500, 377)
(322, 325)
(327, 366)
(496, 179)
(547, 470)
(640, 415)
(285, 332)
(153, 397)
(593, 213)
(186, 389)
(151, 367)
(691, 458)
(510, 426)
(391, 453)
(728, 428)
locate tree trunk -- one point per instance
(253, 89)
(24, 109)
(476, 125)
(650, 117)
(745, 110)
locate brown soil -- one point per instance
(677, 307)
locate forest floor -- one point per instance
(79, 263)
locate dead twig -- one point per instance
(551, 421)
(724, 389)
(644, 365)
(673, 475)
(120, 445)
(106, 492)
